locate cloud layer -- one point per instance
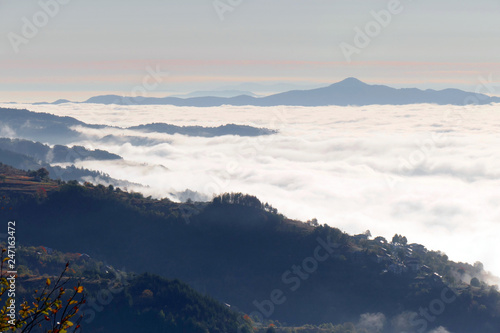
(429, 172)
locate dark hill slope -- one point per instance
(44, 127)
(243, 253)
(122, 302)
(56, 154)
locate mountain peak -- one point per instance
(350, 91)
(350, 82)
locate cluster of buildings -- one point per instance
(399, 258)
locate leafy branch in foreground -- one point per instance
(51, 311)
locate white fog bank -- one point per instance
(429, 172)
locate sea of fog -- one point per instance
(429, 172)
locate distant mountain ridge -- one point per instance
(68, 173)
(216, 93)
(56, 154)
(57, 130)
(350, 91)
(229, 129)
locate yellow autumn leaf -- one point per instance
(48, 282)
(80, 289)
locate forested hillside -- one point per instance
(117, 301)
(244, 253)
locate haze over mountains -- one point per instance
(63, 130)
(24, 125)
(350, 91)
(336, 168)
(216, 93)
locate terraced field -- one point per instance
(17, 181)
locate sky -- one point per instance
(429, 172)
(75, 49)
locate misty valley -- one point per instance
(230, 166)
(257, 224)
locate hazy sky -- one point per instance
(83, 48)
